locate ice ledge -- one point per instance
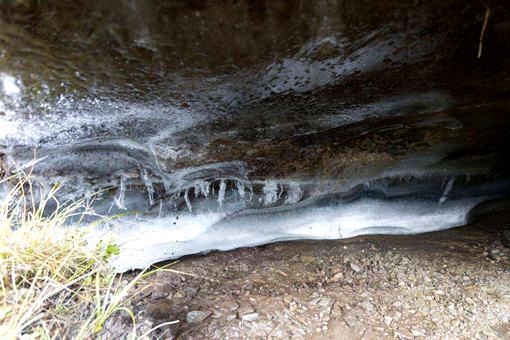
(144, 242)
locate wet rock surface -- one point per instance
(290, 89)
(315, 90)
(448, 284)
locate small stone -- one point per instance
(288, 298)
(418, 332)
(350, 319)
(367, 306)
(244, 310)
(337, 277)
(357, 268)
(178, 294)
(397, 316)
(196, 316)
(231, 305)
(325, 302)
(306, 259)
(250, 316)
(404, 333)
(435, 317)
(388, 320)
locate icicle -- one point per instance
(186, 198)
(270, 192)
(294, 194)
(448, 187)
(280, 193)
(196, 190)
(154, 157)
(251, 192)
(148, 184)
(240, 189)
(205, 188)
(166, 184)
(121, 194)
(208, 188)
(221, 192)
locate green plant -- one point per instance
(53, 283)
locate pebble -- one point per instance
(357, 268)
(324, 302)
(387, 320)
(196, 316)
(337, 277)
(367, 306)
(404, 333)
(418, 332)
(435, 317)
(244, 309)
(250, 316)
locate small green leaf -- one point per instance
(112, 249)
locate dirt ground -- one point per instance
(443, 285)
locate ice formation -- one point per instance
(145, 241)
(279, 211)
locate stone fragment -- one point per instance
(367, 306)
(387, 320)
(196, 316)
(350, 319)
(245, 309)
(250, 316)
(355, 267)
(306, 259)
(337, 277)
(404, 333)
(418, 332)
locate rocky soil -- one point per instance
(444, 285)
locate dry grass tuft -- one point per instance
(52, 283)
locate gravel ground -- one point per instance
(444, 285)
